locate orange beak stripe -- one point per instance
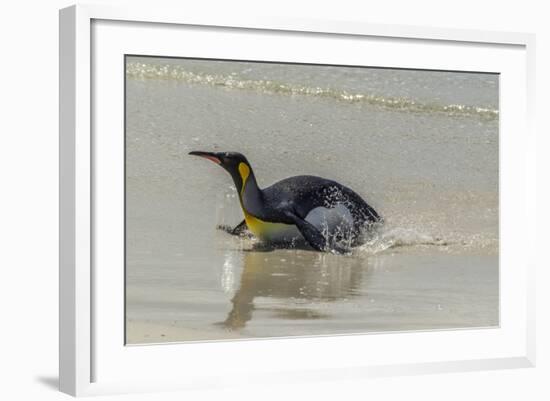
(213, 158)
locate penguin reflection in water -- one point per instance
(328, 215)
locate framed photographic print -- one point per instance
(237, 191)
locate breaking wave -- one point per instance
(144, 71)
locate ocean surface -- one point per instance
(421, 147)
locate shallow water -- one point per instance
(421, 147)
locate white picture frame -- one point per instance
(91, 362)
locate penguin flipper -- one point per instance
(311, 234)
(239, 229)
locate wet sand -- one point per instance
(299, 292)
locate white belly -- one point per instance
(337, 220)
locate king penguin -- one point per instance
(328, 215)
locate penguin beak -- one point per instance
(207, 155)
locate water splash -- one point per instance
(145, 71)
(385, 239)
(390, 236)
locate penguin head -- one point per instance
(233, 162)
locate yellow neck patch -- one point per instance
(244, 171)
